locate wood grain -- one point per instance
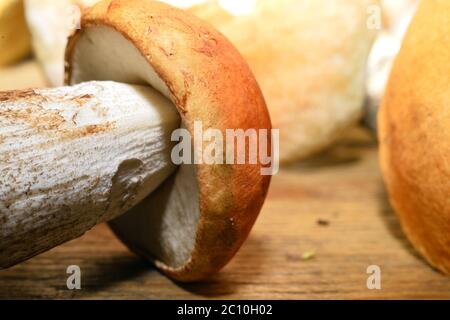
(342, 187)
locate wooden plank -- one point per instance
(342, 187)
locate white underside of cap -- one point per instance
(163, 226)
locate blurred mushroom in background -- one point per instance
(14, 35)
(397, 15)
(309, 57)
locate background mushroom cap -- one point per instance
(208, 81)
(309, 57)
(14, 36)
(415, 133)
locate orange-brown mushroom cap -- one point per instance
(414, 126)
(208, 81)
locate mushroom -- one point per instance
(192, 224)
(15, 40)
(414, 133)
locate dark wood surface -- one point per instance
(334, 205)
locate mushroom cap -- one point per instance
(197, 220)
(414, 125)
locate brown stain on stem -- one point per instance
(16, 95)
(45, 120)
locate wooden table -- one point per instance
(341, 188)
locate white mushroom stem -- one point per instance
(73, 157)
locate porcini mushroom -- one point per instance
(414, 133)
(194, 223)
